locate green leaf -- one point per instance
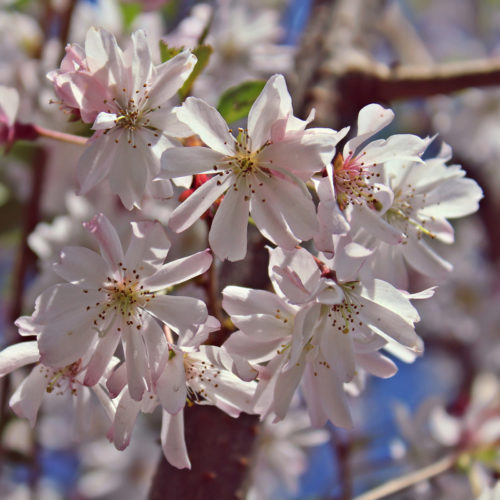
(129, 12)
(203, 53)
(235, 102)
(167, 52)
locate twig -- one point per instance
(60, 136)
(403, 482)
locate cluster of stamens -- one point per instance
(345, 316)
(133, 115)
(351, 179)
(62, 379)
(199, 374)
(244, 163)
(125, 296)
(404, 212)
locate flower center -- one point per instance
(126, 297)
(344, 316)
(200, 374)
(350, 179)
(404, 213)
(62, 379)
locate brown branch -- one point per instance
(220, 449)
(337, 75)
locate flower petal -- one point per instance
(171, 384)
(190, 210)
(178, 312)
(172, 440)
(205, 121)
(228, 233)
(17, 355)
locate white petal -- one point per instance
(126, 414)
(170, 76)
(17, 355)
(246, 301)
(26, 400)
(274, 103)
(190, 210)
(104, 121)
(270, 220)
(82, 266)
(171, 384)
(228, 233)
(178, 271)
(377, 364)
(371, 119)
(296, 207)
(135, 359)
(178, 312)
(205, 121)
(425, 260)
(103, 353)
(176, 162)
(332, 397)
(148, 244)
(172, 440)
(96, 161)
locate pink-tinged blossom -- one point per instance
(43, 380)
(116, 295)
(356, 171)
(426, 195)
(262, 172)
(356, 177)
(127, 98)
(189, 373)
(9, 105)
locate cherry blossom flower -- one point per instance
(425, 196)
(263, 171)
(357, 169)
(44, 380)
(126, 97)
(328, 329)
(116, 295)
(188, 372)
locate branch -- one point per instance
(220, 449)
(337, 75)
(410, 479)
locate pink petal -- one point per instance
(109, 242)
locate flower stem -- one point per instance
(401, 483)
(60, 136)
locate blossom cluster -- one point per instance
(344, 227)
